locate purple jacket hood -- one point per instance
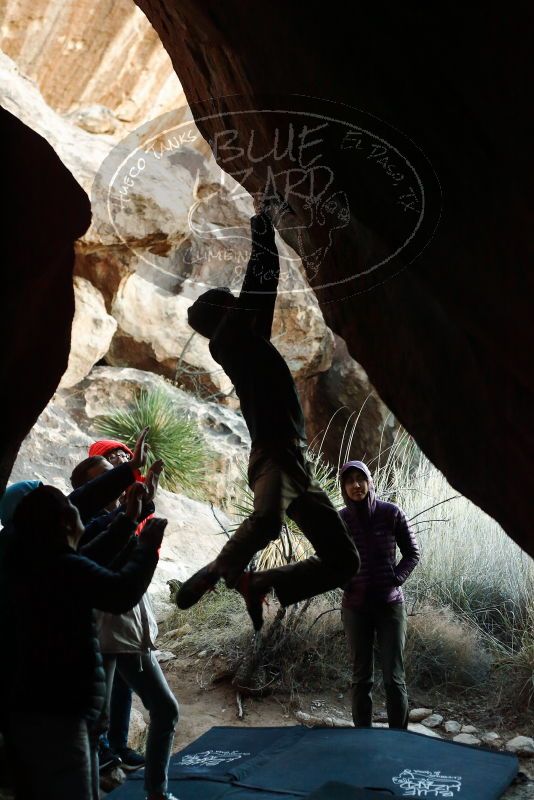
(370, 501)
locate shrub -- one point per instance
(172, 437)
(302, 649)
(441, 651)
(470, 599)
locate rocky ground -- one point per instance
(206, 701)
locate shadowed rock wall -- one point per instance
(44, 211)
(446, 335)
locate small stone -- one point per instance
(111, 778)
(521, 746)
(432, 721)
(183, 630)
(469, 729)
(466, 738)
(490, 737)
(164, 655)
(451, 726)
(203, 654)
(171, 634)
(419, 714)
(417, 727)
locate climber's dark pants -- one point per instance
(280, 478)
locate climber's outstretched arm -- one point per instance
(258, 293)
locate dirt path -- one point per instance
(204, 704)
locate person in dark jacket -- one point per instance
(239, 330)
(128, 643)
(373, 601)
(54, 682)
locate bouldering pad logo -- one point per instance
(345, 187)
(211, 758)
(423, 783)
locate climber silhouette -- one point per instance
(239, 330)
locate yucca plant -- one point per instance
(172, 437)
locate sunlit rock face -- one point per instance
(443, 326)
(88, 54)
(139, 268)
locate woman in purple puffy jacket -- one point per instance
(373, 602)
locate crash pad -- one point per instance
(235, 763)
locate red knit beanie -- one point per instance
(104, 446)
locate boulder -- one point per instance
(466, 738)
(491, 738)
(92, 332)
(300, 332)
(157, 212)
(326, 721)
(344, 414)
(419, 714)
(451, 726)
(137, 730)
(47, 211)
(521, 745)
(107, 389)
(53, 447)
(192, 538)
(80, 152)
(469, 729)
(112, 778)
(417, 727)
(433, 721)
(153, 334)
(111, 57)
(411, 280)
(194, 534)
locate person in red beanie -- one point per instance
(113, 451)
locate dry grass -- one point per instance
(443, 652)
(304, 650)
(470, 600)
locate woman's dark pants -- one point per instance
(388, 622)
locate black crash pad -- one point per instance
(342, 791)
(234, 763)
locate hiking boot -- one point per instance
(254, 599)
(131, 760)
(107, 758)
(198, 584)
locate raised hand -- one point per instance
(152, 533)
(135, 496)
(152, 480)
(139, 457)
